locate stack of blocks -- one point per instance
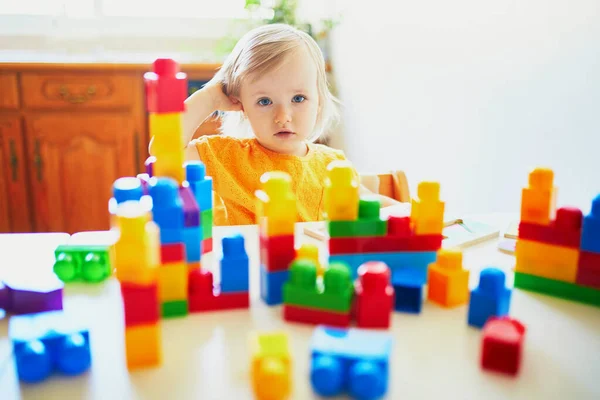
(137, 258)
(557, 251)
(276, 218)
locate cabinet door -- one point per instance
(74, 160)
(14, 199)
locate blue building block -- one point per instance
(126, 189)
(590, 234)
(234, 265)
(417, 261)
(171, 236)
(195, 174)
(350, 360)
(192, 237)
(271, 285)
(167, 206)
(408, 289)
(490, 298)
(47, 342)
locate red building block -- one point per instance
(207, 245)
(374, 296)
(384, 244)
(313, 316)
(399, 226)
(502, 345)
(203, 297)
(140, 303)
(588, 269)
(277, 252)
(173, 252)
(166, 87)
(564, 230)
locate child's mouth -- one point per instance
(284, 134)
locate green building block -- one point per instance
(369, 222)
(332, 293)
(87, 263)
(177, 308)
(206, 220)
(564, 290)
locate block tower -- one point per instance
(557, 251)
(358, 234)
(276, 219)
(137, 258)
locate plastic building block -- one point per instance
(174, 308)
(427, 212)
(383, 244)
(590, 235)
(271, 285)
(163, 129)
(127, 188)
(192, 238)
(234, 265)
(564, 290)
(490, 298)
(341, 192)
(588, 269)
(203, 296)
(4, 297)
(333, 293)
(374, 295)
(538, 200)
(277, 252)
(173, 252)
(49, 342)
(145, 181)
(207, 223)
(201, 185)
(166, 87)
(143, 346)
(207, 245)
(400, 227)
(502, 345)
(350, 360)
(167, 210)
(448, 282)
(546, 260)
(368, 223)
(172, 282)
(191, 212)
(311, 252)
(417, 261)
(276, 204)
(27, 293)
(149, 163)
(564, 230)
(137, 252)
(80, 262)
(316, 316)
(140, 303)
(271, 365)
(408, 291)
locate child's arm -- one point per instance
(385, 200)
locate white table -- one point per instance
(435, 353)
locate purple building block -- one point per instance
(4, 296)
(149, 165)
(34, 293)
(191, 212)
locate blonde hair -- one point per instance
(260, 51)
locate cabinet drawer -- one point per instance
(9, 91)
(47, 90)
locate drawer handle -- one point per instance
(77, 98)
(38, 162)
(14, 160)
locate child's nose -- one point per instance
(283, 115)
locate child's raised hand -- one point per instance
(222, 102)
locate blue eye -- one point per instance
(298, 98)
(264, 102)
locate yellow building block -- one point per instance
(143, 346)
(427, 212)
(546, 260)
(169, 165)
(166, 128)
(173, 281)
(538, 200)
(276, 210)
(270, 366)
(310, 252)
(137, 250)
(447, 281)
(341, 192)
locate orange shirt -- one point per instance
(236, 166)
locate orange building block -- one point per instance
(341, 192)
(311, 252)
(538, 200)
(271, 366)
(276, 210)
(547, 260)
(173, 281)
(448, 282)
(143, 346)
(427, 212)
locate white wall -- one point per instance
(451, 90)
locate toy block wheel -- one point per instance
(34, 363)
(327, 375)
(94, 268)
(365, 380)
(75, 355)
(66, 267)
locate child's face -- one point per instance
(282, 105)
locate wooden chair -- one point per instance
(392, 184)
